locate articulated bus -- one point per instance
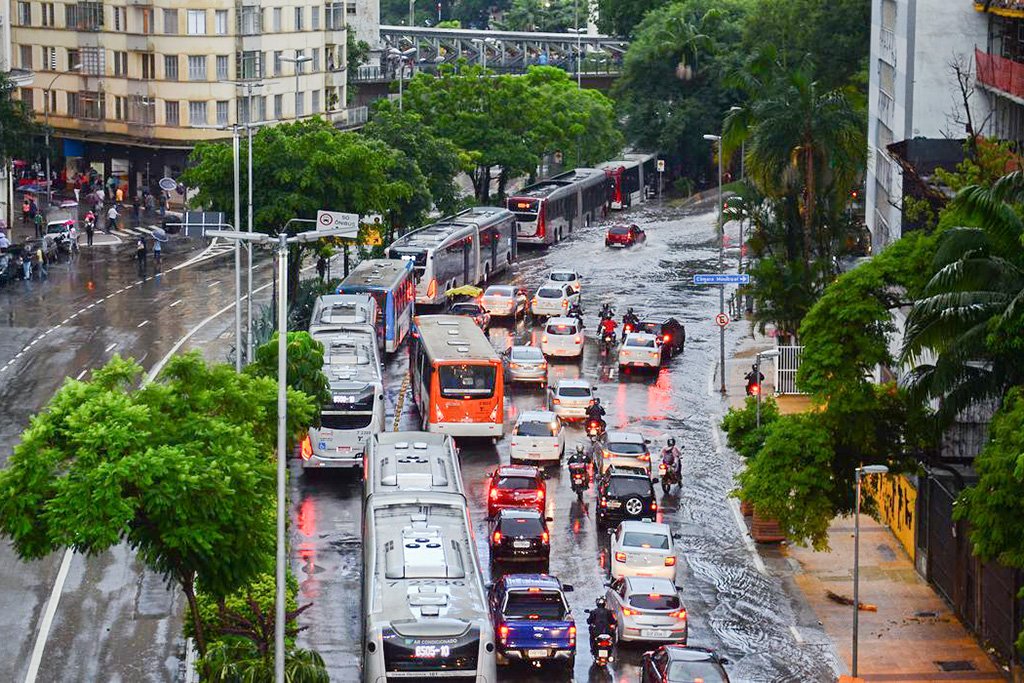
(466, 249)
(648, 172)
(356, 409)
(411, 461)
(424, 605)
(391, 285)
(632, 179)
(338, 312)
(457, 380)
(548, 211)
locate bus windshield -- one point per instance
(467, 380)
(417, 256)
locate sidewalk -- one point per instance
(913, 636)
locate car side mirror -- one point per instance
(647, 442)
(723, 660)
(567, 588)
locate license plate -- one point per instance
(603, 654)
(614, 504)
(520, 544)
(654, 633)
(344, 449)
(536, 654)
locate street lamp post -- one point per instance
(743, 150)
(46, 131)
(859, 473)
(401, 56)
(717, 139)
(298, 60)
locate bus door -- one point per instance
(467, 248)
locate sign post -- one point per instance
(721, 279)
(661, 174)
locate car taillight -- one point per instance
(678, 614)
(540, 494)
(646, 457)
(577, 339)
(620, 557)
(555, 402)
(607, 454)
(544, 538)
(629, 612)
(497, 537)
(654, 506)
(565, 303)
(572, 635)
(534, 301)
(494, 494)
(503, 633)
(307, 448)
(432, 288)
(544, 339)
(670, 561)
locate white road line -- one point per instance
(81, 374)
(143, 323)
(109, 348)
(66, 321)
(73, 316)
(796, 634)
(48, 614)
(99, 301)
(175, 303)
(215, 282)
(89, 306)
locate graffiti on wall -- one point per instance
(896, 497)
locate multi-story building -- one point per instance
(913, 92)
(19, 78)
(999, 61)
(129, 86)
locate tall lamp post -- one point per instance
(743, 150)
(859, 473)
(717, 139)
(400, 57)
(46, 131)
(298, 60)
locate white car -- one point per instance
(647, 609)
(570, 398)
(538, 437)
(643, 549)
(625, 449)
(640, 350)
(563, 276)
(504, 300)
(562, 337)
(553, 299)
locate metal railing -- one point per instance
(1000, 73)
(374, 73)
(786, 366)
(887, 45)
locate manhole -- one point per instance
(956, 665)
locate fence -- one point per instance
(786, 366)
(1000, 73)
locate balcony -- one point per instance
(1003, 8)
(886, 105)
(887, 46)
(1000, 74)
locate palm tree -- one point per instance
(241, 662)
(971, 315)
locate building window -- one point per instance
(249, 20)
(172, 114)
(196, 69)
(314, 106)
(91, 59)
(25, 13)
(298, 18)
(316, 60)
(261, 108)
(277, 62)
(222, 68)
(314, 18)
(120, 24)
(74, 57)
(350, 8)
(48, 14)
(277, 19)
(84, 16)
(120, 108)
(334, 16)
(49, 58)
(298, 104)
(26, 56)
(85, 105)
(171, 22)
(220, 18)
(148, 65)
(120, 63)
(278, 107)
(197, 22)
(249, 64)
(28, 98)
(197, 113)
(142, 110)
(171, 67)
(222, 113)
(146, 19)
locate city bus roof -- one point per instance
(453, 338)
(382, 273)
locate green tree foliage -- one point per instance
(544, 15)
(17, 128)
(620, 17)
(742, 433)
(437, 158)
(304, 363)
(180, 469)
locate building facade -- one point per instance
(913, 92)
(18, 78)
(129, 86)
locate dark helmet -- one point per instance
(671, 443)
(630, 310)
(597, 401)
(754, 367)
(600, 602)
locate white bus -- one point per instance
(411, 461)
(356, 409)
(498, 240)
(357, 312)
(390, 284)
(548, 211)
(648, 171)
(632, 179)
(424, 604)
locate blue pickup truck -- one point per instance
(532, 621)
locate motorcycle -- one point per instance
(595, 428)
(580, 479)
(668, 477)
(601, 648)
(753, 388)
(607, 342)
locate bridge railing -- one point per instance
(372, 73)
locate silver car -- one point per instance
(647, 608)
(570, 398)
(525, 364)
(504, 300)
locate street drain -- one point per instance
(956, 665)
(926, 615)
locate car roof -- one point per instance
(646, 527)
(531, 581)
(572, 271)
(518, 470)
(650, 584)
(690, 653)
(552, 284)
(658, 319)
(643, 336)
(573, 383)
(518, 512)
(615, 472)
(502, 287)
(523, 347)
(537, 416)
(562, 320)
(624, 437)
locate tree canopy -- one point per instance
(620, 17)
(304, 364)
(17, 127)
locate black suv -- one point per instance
(625, 494)
(520, 535)
(670, 333)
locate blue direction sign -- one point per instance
(721, 279)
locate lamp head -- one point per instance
(873, 469)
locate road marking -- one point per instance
(796, 634)
(99, 301)
(48, 614)
(89, 306)
(215, 282)
(109, 348)
(66, 321)
(81, 374)
(175, 303)
(142, 324)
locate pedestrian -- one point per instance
(136, 205)
(26, 210)
(112, 219)
(140, 255)
(38, 221)
(78, 188)
(90, 227)
(163, 204)
(5, 243)
(321, 266)
(118, 195)
(157, 254)
(150, 203)
(26, 265)
(41, 261)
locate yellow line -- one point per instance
(400, 402)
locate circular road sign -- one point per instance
(326, 220)
(722, 319)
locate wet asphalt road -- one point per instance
(735, 604)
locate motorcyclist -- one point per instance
(671, 457)
(576, 311)
(595, 411)
(754, 377)
(607, 327)
(601, 620)
(607, 311)
(578, 456)
(631, 318)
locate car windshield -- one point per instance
(549, 293)
(521, 526)
(498, 291)
(561, 330)
(561, 276)
(514, 483)
(466, 309)
(574, 392)
(627, 448)
(641, 342)
(629, 486)
(645, 539)
(618, 230)
(694, 672)
(667, 601)
(545, 605)
(532, 428)
(528, 353)
(467, 381)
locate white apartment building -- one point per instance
(913, 92)
(131, 85)
(19, 78)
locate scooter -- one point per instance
(595, 428)
(607, 342)
(580, 479)
(601, 648)
(668, 477)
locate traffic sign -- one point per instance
(721, 279)
(661, 165)
(348, 223)
(168, 184)
(722, 319)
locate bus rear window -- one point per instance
(346, 421)
(524, 205)
(466, 380)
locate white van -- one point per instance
(538, 437)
